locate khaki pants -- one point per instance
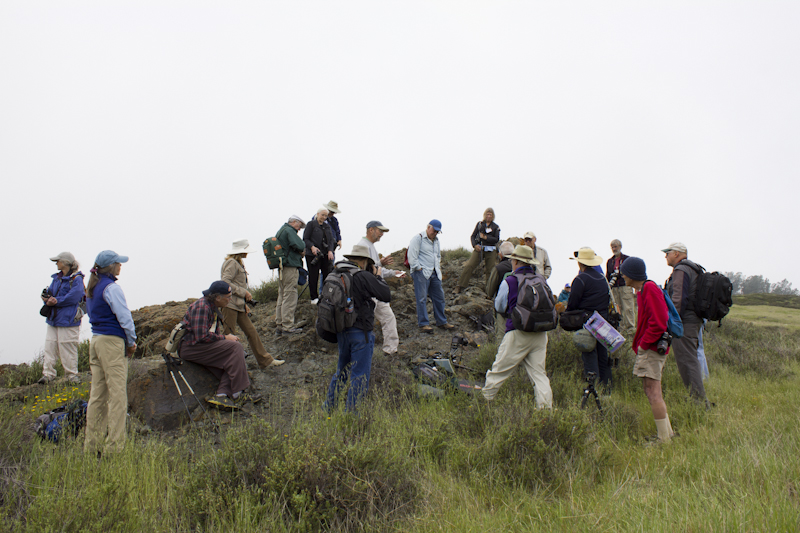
(627, 307)
(108, 400)
(385, 315)
(232, 317)
(61, 342)
(287, 298)
(526, 349)
(489, 258)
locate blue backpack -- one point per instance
(674, 322)
(67, 418)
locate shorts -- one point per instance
(649, 364)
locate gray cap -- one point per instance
(64, 256)
(675, 247)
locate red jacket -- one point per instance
(651, 321)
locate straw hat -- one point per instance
(524, 254)
(587, 257)
(332, 206)
(360, 252)
(241, 247)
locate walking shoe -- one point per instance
(276, 362)
(245, 397)
(446, 326)
(426, 329)
(293, 331)
(44, 380)
(223, 402)
(315, 301)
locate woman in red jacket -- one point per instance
(651, 324)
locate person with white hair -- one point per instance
(289, 273)
(320, 244)
(500, 270)
(63, 313)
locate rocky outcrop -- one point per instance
(154, 324)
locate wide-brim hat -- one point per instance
(332, 206)
(241, 247)
(524, 254)
(586, 256)
(360, 252)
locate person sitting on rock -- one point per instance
(484, 241)
(205, 344)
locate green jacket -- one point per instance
(293, 245)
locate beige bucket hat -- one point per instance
(587, 257)
(360, 252)
(241, 247)
(332, 206)
(524, 254)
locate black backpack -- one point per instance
(335, 309)
(536, 308)
(713, 295)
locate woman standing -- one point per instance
(63, 299)
(235, 312)
(484, 241)
(590, 293)
(113, 338)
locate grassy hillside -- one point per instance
(777, 300)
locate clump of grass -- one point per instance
(750, 349)
(455, 254)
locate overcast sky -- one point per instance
(167, 130)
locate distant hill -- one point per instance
(777, 300)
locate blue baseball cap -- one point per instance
(436, 225)
(109, 257)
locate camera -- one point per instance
(46, 293)
(614, 277)
(317, 257)
(252, 303)
(591, 377)
(457, 341)
(664, 343)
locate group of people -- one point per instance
(211, 321)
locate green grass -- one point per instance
(778, 300)
(456, 464)
(767, 315)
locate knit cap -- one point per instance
(634, 268)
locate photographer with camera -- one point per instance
(320, 245)
(237, 311)
(519, 347)
(623, 295)
(63, 314)
(651, 343)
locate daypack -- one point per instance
(274, 252)
(713, 295)
(335, 309)
(536, 307)
(175, 337)
(674, 322)
(63, 421)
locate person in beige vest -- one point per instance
(234, 273)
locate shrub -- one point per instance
(455, 254)
(266, 292)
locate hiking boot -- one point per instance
(426, 329)
(446, 326)
(223, 402)
(245, 397)
(44, 380)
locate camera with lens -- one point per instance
(614, 277)
(664, 343)
(317, 257)
(46, 293)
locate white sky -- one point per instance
(166, 130)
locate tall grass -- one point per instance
(454, 464)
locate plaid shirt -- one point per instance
(199, 319)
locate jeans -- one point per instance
(355, 346)
(428, 287)
(597, 361)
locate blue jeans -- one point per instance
(355, 346)
(428, 287)
(597, 361)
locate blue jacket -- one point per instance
(69, 292)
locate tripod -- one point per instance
(589, 389)
(172, 366)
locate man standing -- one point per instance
(652, 320)
(424, 259)
(681, 287)
(539, 253)
(333, 222)
(500, 270)
(294, 248)
(519, 347)
(356, 343)
(623, 295)
(318, 238)
(383, 311)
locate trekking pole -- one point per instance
(172, 364)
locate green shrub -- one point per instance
(455, 254)
(266, 292)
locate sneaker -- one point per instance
(245, 397)
(315, 301)
(446, 326)
(223, 402)
(276, 362)
(426, 329)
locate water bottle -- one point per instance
(350, 307)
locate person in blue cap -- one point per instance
(113, 341)
(424, 261)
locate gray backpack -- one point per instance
(536, 308)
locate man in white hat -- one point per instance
(383, 310)
(356, 343)
(539, 253)
(519, 347)
(681, 287)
